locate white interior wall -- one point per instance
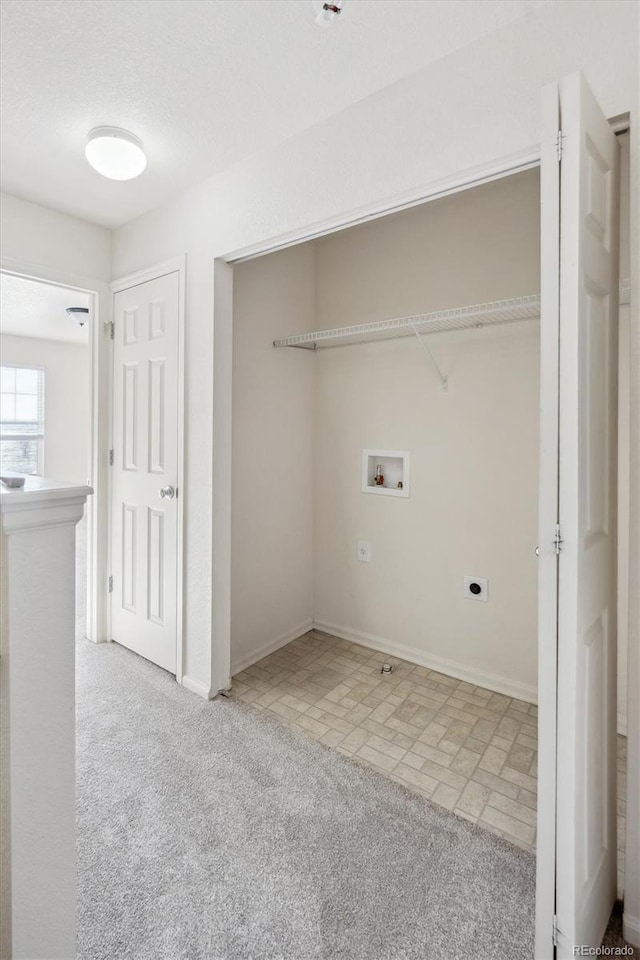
(67, 401)
(466, 111)
(55, 247)
(52, 246)
(474, 450)
(478, 245)
(272, 480)
(53, 243)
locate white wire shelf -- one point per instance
(460, 318)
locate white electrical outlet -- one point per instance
(364, 551)
(476, 588)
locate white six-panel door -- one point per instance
(144, 511)
(586, 872)
(586, 277)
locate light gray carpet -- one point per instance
(207, 831)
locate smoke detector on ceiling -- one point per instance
(327, 12)
(79, 314)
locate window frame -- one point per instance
(39, 437)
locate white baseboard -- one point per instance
(509, 688)
(237, 666)
(631, 929)
(194, 686)
(503, 685)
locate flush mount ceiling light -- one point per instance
(79, 314)
(326, 13)
(115, 153)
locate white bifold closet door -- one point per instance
(144, 517)
(577, 814)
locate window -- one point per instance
(21, 419)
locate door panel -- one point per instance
(586, 736)
(145, 525)
(156, 415)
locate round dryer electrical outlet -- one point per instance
(476, 588)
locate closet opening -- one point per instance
(413, 339)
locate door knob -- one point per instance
(167, 492)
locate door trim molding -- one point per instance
(97, 505)
(153, 272)
(194, 686)
(548, 507)
(177, 264)
(463, 180)
(497, 169)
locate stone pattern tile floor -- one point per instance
(464, 747)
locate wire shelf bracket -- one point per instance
(444, 383)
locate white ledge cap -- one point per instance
(42, 502)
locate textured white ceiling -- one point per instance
(204, 83)
(29, 308)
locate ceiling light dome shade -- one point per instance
(115, 153)
(80, 314)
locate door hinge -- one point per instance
(110, 328)
(110, 584)
(110, 458)
(559, 136)
(557, 540)
(555, 931)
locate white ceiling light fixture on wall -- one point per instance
(79, 314)
(115, 153)
(327, 12)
